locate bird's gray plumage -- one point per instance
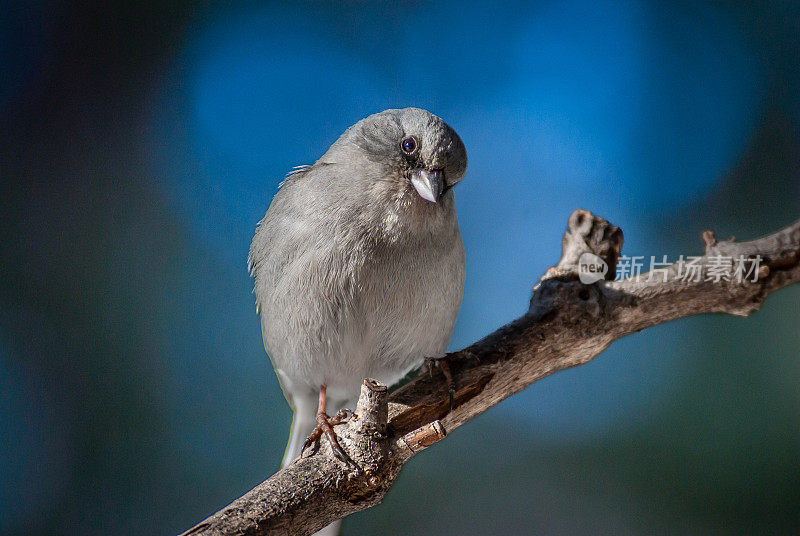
(356, 275)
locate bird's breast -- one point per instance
(367, 300)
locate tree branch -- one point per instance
(568, 324)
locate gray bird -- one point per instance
(359, 265)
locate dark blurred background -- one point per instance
(141, 143)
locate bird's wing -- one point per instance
(294, 173)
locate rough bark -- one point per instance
(568, 324)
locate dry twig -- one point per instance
(568, 324)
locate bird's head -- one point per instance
(408, 150)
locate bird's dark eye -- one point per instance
(409, 145)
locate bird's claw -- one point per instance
(324, 427)
(444, 365)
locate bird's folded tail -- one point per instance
(303, 422)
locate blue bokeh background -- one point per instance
(143, 143)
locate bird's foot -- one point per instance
(324, 427)
(444, 365)
(443, 362)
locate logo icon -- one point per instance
(591, 268)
